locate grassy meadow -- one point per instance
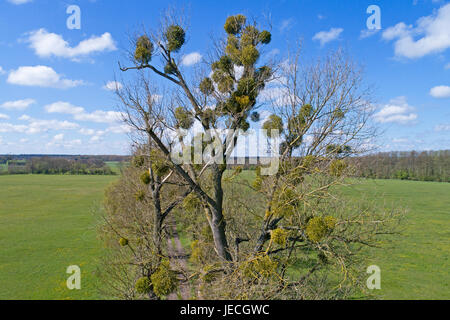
(48, 223)
(415, 264)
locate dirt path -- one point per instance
(178, 260)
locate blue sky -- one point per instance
(53, 95)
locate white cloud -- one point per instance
(119, 129)
(400, 140)
(3, 116)
(80, 114)
(17, 2)
(96, 136)
(2, 71)
(326, 36)
(59, 137)
(24, 118)
(63, 107)
(87, 132)
(447, 66)
(40, 76)
(46, 44)
(400, 30)
(434, 31)
(58, 141)
(442, 127)
(396, 111)
(113, 86)
(95, 139)
(100, 116)
(8, 127)
(191, 59)
(18, 104)
(440, 92)
(366, 33)
(38, 126)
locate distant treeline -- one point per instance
(419, 166)
(106, 158)
(57, 165)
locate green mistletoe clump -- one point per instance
(319, 227)
(164, 280)
(144, 50)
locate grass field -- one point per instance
(47, 223)
(115, 166)
(416, 264)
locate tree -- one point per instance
(250, 234)
(233, 97)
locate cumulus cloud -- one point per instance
(430, 35)
(59, 137)
(367, 33)
(327, 36)
(120, 129)
(191, 59)
(37, 126)
(100, 116)
(113, 86)
(87, 132)
(59, 141)
(278, 96)
(396, 111)
(95, 139)
(17, 104)
(8, 127)
(442, 127)
(440, 92)
(80, 114)
(96, 136)
(41, 76)
(63, 107)
(46, 44)
(3, 116)
(2, 71)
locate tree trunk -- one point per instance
(158, 221)
(217, 222)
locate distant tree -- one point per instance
(423, 166)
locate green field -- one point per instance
(47, 223)
(115, 166)
(416, 264)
